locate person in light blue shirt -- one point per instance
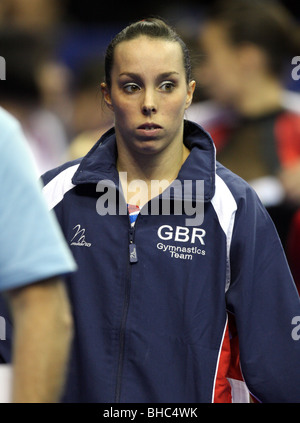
(33, 256)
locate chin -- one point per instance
(148, 147)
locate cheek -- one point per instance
(123, 109)
(177, 106)
(173, 113)
(121, 104)
(126, 117)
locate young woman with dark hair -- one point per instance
(160, 296)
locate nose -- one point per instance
(148, 110)
(149, 105)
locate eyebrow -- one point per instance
(162, 75)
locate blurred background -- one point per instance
(246, 96)
(54, 52)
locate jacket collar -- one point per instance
(100, 161)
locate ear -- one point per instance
(106, 96)
(190, 93)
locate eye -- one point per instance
(131, 87)
(167, 86)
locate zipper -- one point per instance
(132, 247)
(131, 259)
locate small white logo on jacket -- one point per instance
(79, 237)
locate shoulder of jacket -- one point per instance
(58, 182)
(52, 173)
(238, 187)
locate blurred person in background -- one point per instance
(22, 95)
(55, 80)
(63, 77)
(33, 256)
(247, 49)
(90, 117)
(35, 16)
(45, 20)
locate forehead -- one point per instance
(145, 54)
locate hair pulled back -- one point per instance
(152, 28)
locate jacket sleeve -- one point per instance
(264, 300)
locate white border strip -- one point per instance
(225, 207)
(218, 361)
(55, 190)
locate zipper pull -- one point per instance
(132, 253)
(132, 247)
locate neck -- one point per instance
(260, 97)
(149, 168)
(156, 171)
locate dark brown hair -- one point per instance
(153, 28)
(265, 23)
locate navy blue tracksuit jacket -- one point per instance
(167, 312)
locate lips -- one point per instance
(149, 126)
(149, 130)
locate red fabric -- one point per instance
(222, 391)
(219, 134)
(287, 134)
(234, 371)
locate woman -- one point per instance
(152, 300)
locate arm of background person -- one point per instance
(34, 251)
(43, 332)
